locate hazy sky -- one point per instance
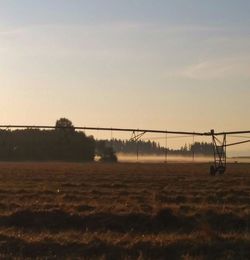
(177, 65)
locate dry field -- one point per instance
(123, 211)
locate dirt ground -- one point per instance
(123, 211)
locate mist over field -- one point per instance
(161, 158)
(175, 159)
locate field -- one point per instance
(123, 211)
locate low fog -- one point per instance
(173, 159)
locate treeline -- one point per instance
(41, 145)
(65, 144)
(154, 148)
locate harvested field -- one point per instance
(123, 211)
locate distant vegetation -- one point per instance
(153, 148)
(42, 145)
(105, 151)
(65, 144)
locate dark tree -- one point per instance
(106, 153)
(47, 145)
(64, 123)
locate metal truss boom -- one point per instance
(243, 142)
(219, 139)
(105, 129)
(126, 130)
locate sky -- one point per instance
(176, 65)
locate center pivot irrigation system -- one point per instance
(219, 139)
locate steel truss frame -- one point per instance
(220, 158)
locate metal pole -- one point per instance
(193, 148)
(166, 148)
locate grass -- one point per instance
(123, 211)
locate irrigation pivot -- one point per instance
(220, 149)
(219, 139)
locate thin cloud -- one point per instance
(219, 69)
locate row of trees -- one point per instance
(66, 144)
(35, 144)
(62, 143)
(153, 148)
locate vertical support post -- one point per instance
(137, 150)
(220, 157)
(225, 150)
(111, 135)
(135, 137)
(193, 149)
(166, 148)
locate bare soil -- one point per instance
(123, 211)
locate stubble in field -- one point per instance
(128, 211)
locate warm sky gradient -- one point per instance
(177, 65)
